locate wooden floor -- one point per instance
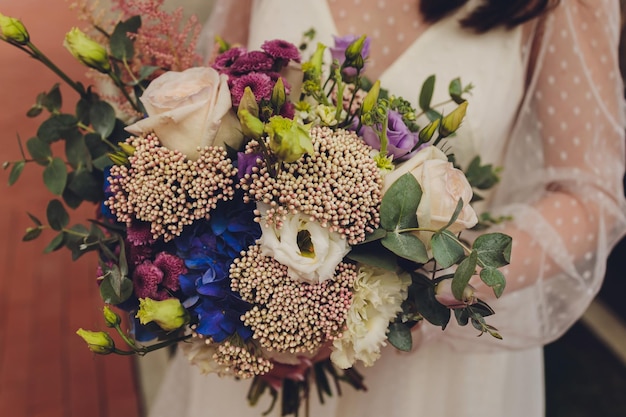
(45, 369)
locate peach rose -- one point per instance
(442, 187)
(189, 110)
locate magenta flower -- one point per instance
(225, 60)
(260, 84)
(280, 49)
(254, 61)
(158, 279)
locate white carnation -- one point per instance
(377, 298)
(202, 354)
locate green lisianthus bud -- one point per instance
(251, 126)
(289, 140)
(13, 30)
(371, 98)
(317, 60)
(87, 51)
(426, 134)
(126, 148)
(279, 95)
(248, 102)
(168, 314)
(111, 318)
(98, 342)
(353, 51)
(451, 122)
(118, 158)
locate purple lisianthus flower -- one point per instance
(245, 163)
(280, 49)
(401, 139)
(209, 249)
(338, 52)
(225, 60)
(261, 85)
(253, 61)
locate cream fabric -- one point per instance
(546, 107)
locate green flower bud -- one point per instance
(289, 140)
(13, 30)
(248, 102)
(354, 49)
(251, 126)
(371, 98)
(118, 158)
(126, 148)
(317, 60)
(87, 51)
(426, 134)
(168, 314)
(98, 342)
(111, 318)
(451, 122)
(279, 95)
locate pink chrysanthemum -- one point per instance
(226, 59)
(139, 234)
(260, 84)
(257, 61)
(288, 110)
(280, 49)
(158, 279)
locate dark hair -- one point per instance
(492, 13)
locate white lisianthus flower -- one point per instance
(377, 298)
(202, 354)
(310, 252)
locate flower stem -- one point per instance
(41, 57)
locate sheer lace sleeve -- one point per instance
(562, 180)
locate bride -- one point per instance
(547, 107)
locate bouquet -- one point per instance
(275, 214)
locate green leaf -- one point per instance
(52, 101)
(86, 185)
(375, 235)
(102, 116)
(495, 279)
(462, 316)
(115, 289)
(399, 205)
(406, 246)
(96, 146)
(76, 151)
(463, 274)
(494, 249)
(120, 44)
(35, 219)
(455, 89)
(399, 336)
(57, 215)
(82, 111)
(433, 115)
(144, 72)
(56, 127)
(39, 150)
(446, 249)
(32, 233)
(373, 254)
(423, 296)
(34, 111)
(16, 171)
(482, 177)
(426, 94)
(455, 215)
(55, 176)
(55, 244)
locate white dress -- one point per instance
(547, 107)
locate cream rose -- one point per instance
(310, 252)
(189, 109)
(442, 187)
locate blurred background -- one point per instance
(46, 370)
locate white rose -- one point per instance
(189, 109)
(442, 187)
(316, 262)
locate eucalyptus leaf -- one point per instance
(426, 94)
(34, 111)
(32, 233)
(82, 111)
(399, 335)
(493, 249)
(102, 116)
(399, 205)
(87, 185)
(16, 171)
(463, 273)
(52, 101)
(97, 147)
(55, 244)
(35, 219)
(462, 316)
(115, 290)
(493, 278)
(56, 214)
(427, 305)
(373, 254)
(375, 235)
(56, 127)
(482, 177)
(446, 249)
(455, 214)
(55, 176)
(120, 44)
(406, 246)
(39, 150)
(76, 151)
(433, 115)
(455, 89)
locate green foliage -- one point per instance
(399, 335)
(493, 249)
(120, 44)
(463, 273)
(399, 205)
(57, 216)
(446, 249)
(16, 171)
